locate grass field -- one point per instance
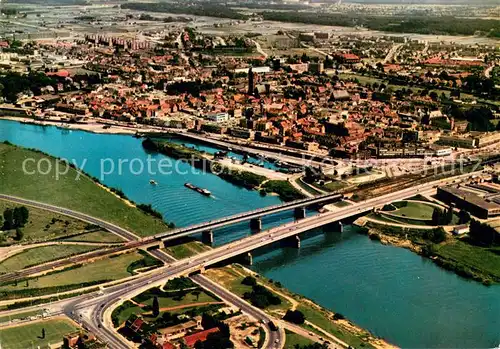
(96, 236)
(321, 319)
(293, 339)
(478, 258)
(39, 255)
(169, 302)
(104, 269)
(186, 250)
(334, 185)
(414, 210)
(414, 213)
(231, 277)
(42, 225)
(29, 336)
(81, 195)
(129, 308)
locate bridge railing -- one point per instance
(247, 213)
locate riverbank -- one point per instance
(72, 189)
(454, 254)
(318, 319)
(93, 127)
(206, 163)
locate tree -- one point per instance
(197, 294)
(483, 234)
(20, 215)
(19, 235)
(436, 235)
(463, 217)
(295, 316)
(43, 332)
(156, 307)
(8, 217)
(249, 281)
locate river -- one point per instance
(390, 291)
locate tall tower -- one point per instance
(251, 82)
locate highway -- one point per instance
(135, 241)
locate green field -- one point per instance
(341, 204)
(29, 336)
(39, 255)
(321, 319)
(231, 278)
(106, 269)
(142, 304)
(42, 225)
(483, 260)
(81, 195)
(97, 236)
(414, 213)
(186, 250)
(333, 185)
(293, 339)
(414, 210)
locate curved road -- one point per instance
(99, 304)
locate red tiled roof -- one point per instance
(200, 336)
(136, 325)
(60, 73)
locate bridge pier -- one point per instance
(256, 224)
(247, 259)
(207, 237)
(292, 241)
(339, 226)
(299, 212)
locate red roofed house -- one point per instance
(136, 325)
(200, 336)
(59, 74)
(347, 58)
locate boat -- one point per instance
(199, 190)
(153, 182)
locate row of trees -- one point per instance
(440, 217)
(14, 218)
(400, 24)
(260, 296)
(483, 234)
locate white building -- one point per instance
(217, 117)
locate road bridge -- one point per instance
(94, 311)
(205, 228)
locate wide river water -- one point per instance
(390, 291)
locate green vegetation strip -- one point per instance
(321, 319)
(78, 276)
(39, 255)
(67, 191)
(467, 260)
(96, 236)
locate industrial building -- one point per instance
(474, 204)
